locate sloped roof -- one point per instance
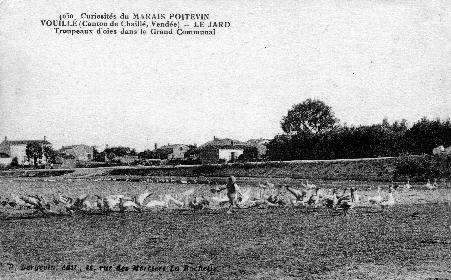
(26, 142)
(256, 142)
(74, 146)
(225, 143)
(172, 146)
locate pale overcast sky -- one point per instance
(367, 59)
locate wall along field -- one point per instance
(411, 239)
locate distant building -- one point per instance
(127, 159)
(5, 160)
(174, 151)
(17, 148)
(221, 150)
(441, 150)
(260, 144)
(81, 153)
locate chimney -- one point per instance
(156, 146)
(6, 138)
(45, 138)
(105, 157)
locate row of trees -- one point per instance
(313, 132)
(35, 152)
(193, 151)
(111, 153)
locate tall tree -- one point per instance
(426, 134)
(98, 156)
(119, 151)
(193, 152)
(148, 154)
(50, 154)
(34, 151)
(310, 116)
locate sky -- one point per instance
(368, 60)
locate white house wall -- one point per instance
(81, 152)
(226, 154)
(5, 161)
(19, 151)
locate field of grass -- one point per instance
(411, 240)
(76, 187)
(380, 169)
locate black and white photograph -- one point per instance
(218, 139)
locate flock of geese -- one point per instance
(266, 195)
(63, 204)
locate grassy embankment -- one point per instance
(417, 168)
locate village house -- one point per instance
(81, 153)
(126, 159)
(127, 156)
(174, 151)
(260, 145)
(441, 150)
(221, 150)
(10, 149)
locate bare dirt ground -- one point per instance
(411, 240)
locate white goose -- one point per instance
(135, 204)
(156, 203)
(88, 206)
(307, 185)
(435, 184)
(407, 185)
(72, 205)
(345, 203)
(245, 196)
(16, 201)
(198, 203)
(81, 202)
(377, 198)
(331, 200)
(266, 189)
(220, 198)
(344, 195)
(127, 205)
(168, 199)
(108, 203)
(430, 186)
(102, 204)
(185, 196)
(37, 202)
(113, 200)
(355, 198)
(141, 198)
(315, 198)
(390, 201)
(300, 195)
(262, 189)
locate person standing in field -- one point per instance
(232, 192)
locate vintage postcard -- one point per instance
(225, 139)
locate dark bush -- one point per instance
(14, 162)
(422, 168)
